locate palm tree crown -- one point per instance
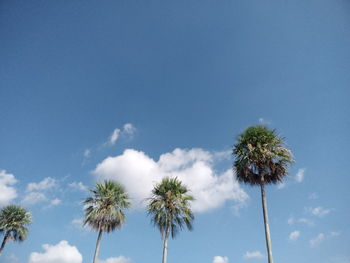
(169, 206)
(105, 209)
(260, 156)
(13, 223)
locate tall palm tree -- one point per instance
(169, 208)
(13, 223)
(261, 158)
(104, 211)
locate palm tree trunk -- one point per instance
(266, 222)
(165, 245)
(97, 250)
(6, 237)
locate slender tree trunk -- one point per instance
(165, 245)
(6, 237)
(97, 250)
(266, 222)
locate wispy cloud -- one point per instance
(33, 198)
(127, 130)
(78, 186)
(317, 240)
(45, 184)
(294, 235)
(281, 185)
(299, 177)
(313, 196)
(87, 153)
(264, 121)
(292, 220)
(56, 201)
(318, 211)
(253, 254)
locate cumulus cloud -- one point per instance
(43, 185)
(318, 211)
(219, 259)
(317, 240)
(294, 235)
(7, 191)
(253, 254)
(120, 259)
(299, 177)
(59, 253)
(138, 173)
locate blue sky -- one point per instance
(175, 82)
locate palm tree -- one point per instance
(261, 158)
(169, 208)
(13, 222)
(104, 211)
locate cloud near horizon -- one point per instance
(138, 173)
(59, 253)
(220, 259)
(120, 259)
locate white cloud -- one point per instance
(138, 173)
(60, 253)
(318, 211)
(55, 201)
(299, 177)
(129, 129)
(7, 191)
(114, 136)
(43, 185)
(78, 186)
(33, 198)
(294, 235)
(253, 254)
(120, 259)
(219, 259)
(317, 240)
